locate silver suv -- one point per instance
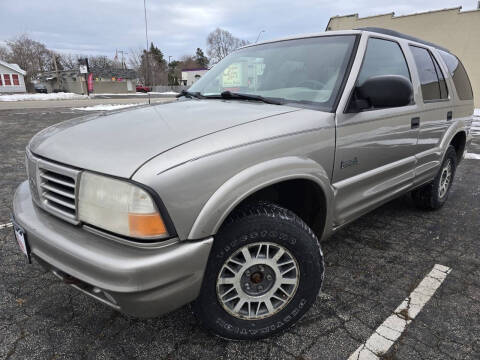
(223, 196)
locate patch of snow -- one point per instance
(105, 107)
(51, 96)
(118, 94)
(167, 93)
(475, 126)
(472, 156)
(135, 93)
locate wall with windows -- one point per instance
(456, 30)
(11, 81)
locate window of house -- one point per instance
(383, 57)
(6, 79)
(15, 79)
(432, 80)
(459, 76)
(1, 81)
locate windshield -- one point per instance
(307, 72)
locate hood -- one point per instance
(119, 143)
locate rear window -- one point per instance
(431, 77)
(459, 75)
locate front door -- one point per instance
(375, 151)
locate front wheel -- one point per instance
(264, 272)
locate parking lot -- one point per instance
(372, 265)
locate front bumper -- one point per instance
(138, 281)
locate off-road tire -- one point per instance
(252, 224)
(427, 197)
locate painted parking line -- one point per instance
(472, 156)
(391, 329)
(4, 226)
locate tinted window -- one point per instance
(441, 79)
(383, 57)
(459, 76)
(427, 72)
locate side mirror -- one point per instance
(382, 91)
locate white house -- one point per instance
(189, 76)
(11, 78)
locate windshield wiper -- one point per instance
(232, 95)
(190, 94)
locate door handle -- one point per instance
(449, 116)
(415, 122)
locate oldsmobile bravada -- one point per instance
(222, 197)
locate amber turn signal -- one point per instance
(146, 225)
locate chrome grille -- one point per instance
(58, 191)
(32, 176)
(54, 187)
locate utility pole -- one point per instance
(169, 75)
(146, 53)
(124, 66)
(56, 69)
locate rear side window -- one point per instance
(431, 78)
(459, 75)
(383, 57)
(441, 79)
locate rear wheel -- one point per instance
(433, 195)
(264, 272)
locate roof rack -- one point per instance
(401, 35)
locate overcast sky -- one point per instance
(178, 27)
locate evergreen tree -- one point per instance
(201, 59)
(174, 73)
(154, 70)
(157, 55)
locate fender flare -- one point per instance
(250, 180)
(451, 132)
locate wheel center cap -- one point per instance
(256, 277)
(257, 280)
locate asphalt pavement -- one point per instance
(372, 266)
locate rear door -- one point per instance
(437, 112)
(375, 149)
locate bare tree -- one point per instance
(188, 62)
(135, 58)
(68, 61)
(220, 43)
(100, 62)
(32, 56)
(4, 53)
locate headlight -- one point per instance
(119, 206)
